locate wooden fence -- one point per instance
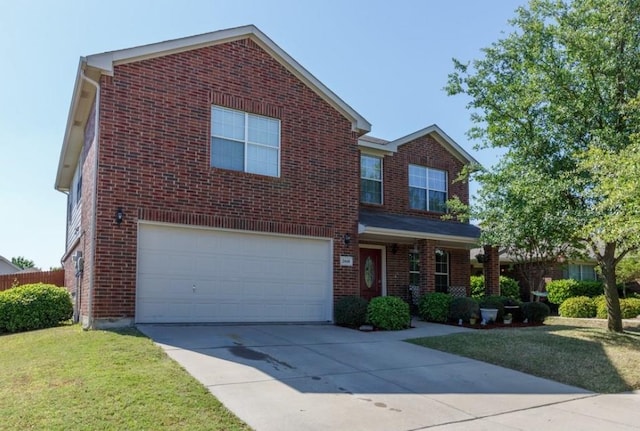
(49, 277)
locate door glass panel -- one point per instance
(369, 272)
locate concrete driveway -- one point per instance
(322, 377)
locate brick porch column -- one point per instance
(491, 268)
(427, 265)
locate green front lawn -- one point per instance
(65, 378)
(578, 352)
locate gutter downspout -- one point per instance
(89, 324)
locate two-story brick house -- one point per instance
(214, 179)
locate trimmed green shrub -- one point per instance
(601, 306)
(509, 287)
(578, 306)
(388, 312)
(434, 307)
(561, 290)
(535, 312)
(629, 307)
(463, 308)
(34, 306)
(590, 288)
(477, 286)
(350, 311)
(493, 301)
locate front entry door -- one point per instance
(370, 273)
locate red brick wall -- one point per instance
(424, 151)
(398, 271)
(459, 268)
(491, 270)
(155, 159)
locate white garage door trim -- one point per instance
(189, 274)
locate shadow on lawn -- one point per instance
(587, 357)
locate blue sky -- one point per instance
(389, 60)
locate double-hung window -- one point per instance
(580, 272)
(442, 271)
(370, 179)
(414, 269)
(245, 142)
(427, 189)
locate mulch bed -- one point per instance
(496, 325)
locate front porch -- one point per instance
(403, 255)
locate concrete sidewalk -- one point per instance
(322, 377)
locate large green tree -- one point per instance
(559, 93)
(22, 262)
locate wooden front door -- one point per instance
(370, 272)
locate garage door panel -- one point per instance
(170, 312)
(166, 262)
(238, 276)
(165, 287)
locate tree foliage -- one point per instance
(559, 95)
(23, 262)
(628, 269)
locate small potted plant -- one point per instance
(473, 319)
(508, 318)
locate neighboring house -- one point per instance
(214, 179)
(6, 267)
(577, 269)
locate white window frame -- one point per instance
(436, 273)
(381, 180)
(414, 256)
(76, 186)
(246, 142)
(428, 187)
(583, 268)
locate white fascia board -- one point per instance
(373, 148)
(106, 61)
(413, 234)
(359, 124)
(63, 183)
(442, 138)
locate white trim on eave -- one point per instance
(82, 100)
(440, 136)
(106, 62)
(364, 229)
(374, 147)
(103, 64)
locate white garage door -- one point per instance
(187, 274)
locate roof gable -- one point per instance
(443, 139)
(436, 132)
(10, 266)
(92, 66)
(107, 60)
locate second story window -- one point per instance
(370, 179)
(427, 189)
(245, 142)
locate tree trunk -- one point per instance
(608, 266)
